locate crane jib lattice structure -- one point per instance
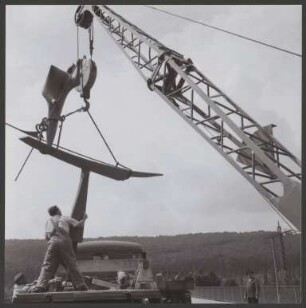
(250, 148)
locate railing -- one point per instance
(268, 294)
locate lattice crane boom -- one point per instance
(251, 149)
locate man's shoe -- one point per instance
(38, 290)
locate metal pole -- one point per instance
(275, 270)
(283, 253)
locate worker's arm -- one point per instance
(49, 228)
(76, 223)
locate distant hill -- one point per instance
(227, 254)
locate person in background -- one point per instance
(124, 280)
(252, 289)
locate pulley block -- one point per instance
(83, 19)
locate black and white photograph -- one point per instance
(153, 154)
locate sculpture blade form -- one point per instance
(79, 208)
(110, 171)
(55, 91)
(58, 85)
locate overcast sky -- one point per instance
(200, 191)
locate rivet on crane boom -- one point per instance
(251, 149)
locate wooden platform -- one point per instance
(105, 296)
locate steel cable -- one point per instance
(225, 31)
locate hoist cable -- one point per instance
(91, 39)
(68, 150)
(78, 47)
(71, 113)
(15, 127)
(225, 31)
(16, 178)
(103, 138)
(60, 133)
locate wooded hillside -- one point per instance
(227, 254)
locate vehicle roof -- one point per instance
(105, 247)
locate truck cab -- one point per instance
(115, 272)
(103, 260)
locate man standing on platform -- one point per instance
(60, 251)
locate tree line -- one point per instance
(212, 258)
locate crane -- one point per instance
(250, 148)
